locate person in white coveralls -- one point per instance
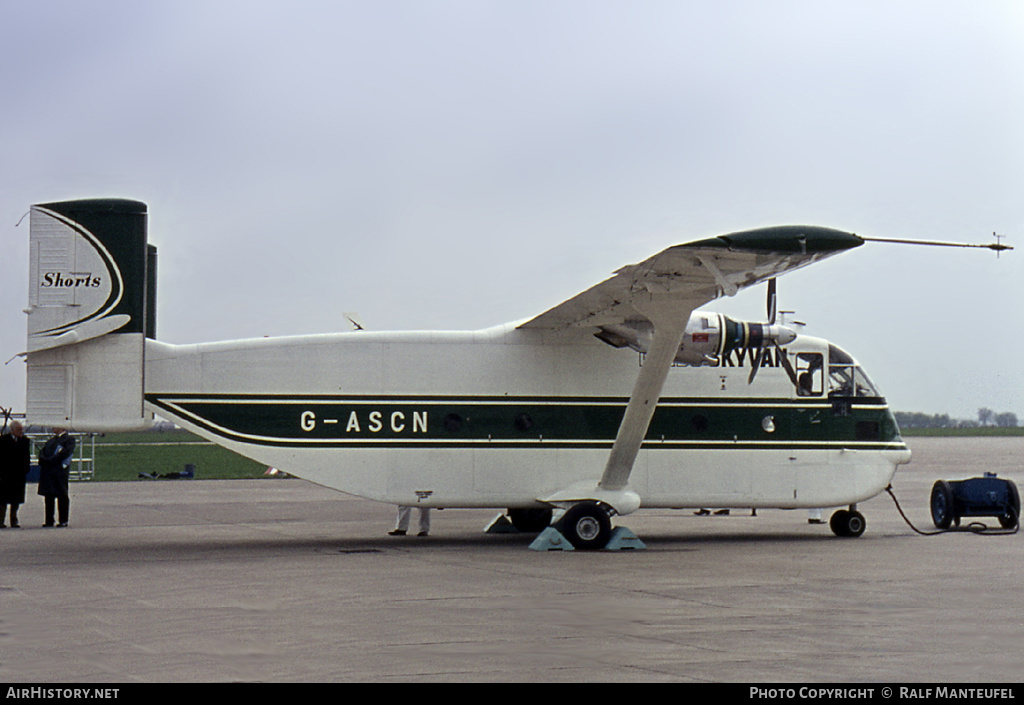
(405, 515)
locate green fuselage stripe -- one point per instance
(578, 422)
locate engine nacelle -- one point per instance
(707, 339)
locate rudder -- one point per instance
(89, 314)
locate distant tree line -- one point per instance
(986, 417)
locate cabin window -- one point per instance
(523, 422)
(453, 423)
(810, 374)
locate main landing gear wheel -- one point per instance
(587, 526)
(530, 521)
(847, 523)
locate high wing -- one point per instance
(662, 291)
(687, 276)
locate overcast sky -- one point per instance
(455, 165)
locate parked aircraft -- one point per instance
(625, 396)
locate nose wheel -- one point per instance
(848, 523)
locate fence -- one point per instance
(83, 461)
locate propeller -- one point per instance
(771, 334)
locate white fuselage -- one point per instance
(505, 417)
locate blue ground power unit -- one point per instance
(977, 496)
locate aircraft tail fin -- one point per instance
(92, 285)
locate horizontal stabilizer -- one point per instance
(79, 334)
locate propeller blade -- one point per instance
(756, 362)
(762, 348)
(786, 365)
(782, 357)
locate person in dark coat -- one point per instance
(15, 452)
(54, 469)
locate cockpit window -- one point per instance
(846, 378)
(809, 372)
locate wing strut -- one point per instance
(668, 335)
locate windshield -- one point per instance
(846, 378)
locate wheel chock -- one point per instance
(501, 525)
(551, 540)
(623, 539)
